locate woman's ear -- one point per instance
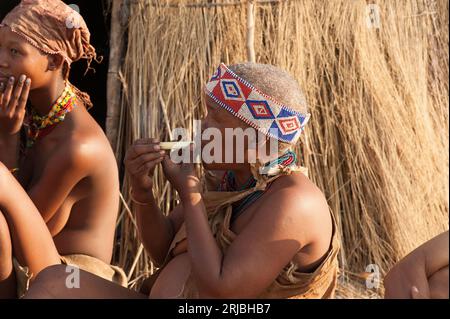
(55, 62)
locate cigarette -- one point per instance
(167, 146)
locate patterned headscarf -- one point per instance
(54, 28)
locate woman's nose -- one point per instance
(3, 61)
(3, 64)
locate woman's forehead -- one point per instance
(7, 36)
(225, 116)
(211, 105)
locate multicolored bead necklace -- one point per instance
(40, 126)
(229, 182)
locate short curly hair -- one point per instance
(276, 83)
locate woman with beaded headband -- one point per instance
(62, 205)
(261, 229)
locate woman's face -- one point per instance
(219, 119)
(18, 57)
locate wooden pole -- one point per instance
(210, 5)
(117, 45)
(251, 31)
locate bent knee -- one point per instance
(5, 247)
(2, 167)
(438, 283)
(54, 272)
(4, 172)
(47, 282)
(5, 237)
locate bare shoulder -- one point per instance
(298, 201)
(299, 190)
(85, 147)
(78, 151)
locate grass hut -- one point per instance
(375, 75)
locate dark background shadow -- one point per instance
(97, 16)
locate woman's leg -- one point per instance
(32, 242)
(438, 283)
(33, 246)
(7, 276)
(52, 283)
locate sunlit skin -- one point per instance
(70, 176)
(291, 221)
(218, 118)
(292, 199)
(423, 273)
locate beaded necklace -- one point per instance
(229, 182)
(40, 126)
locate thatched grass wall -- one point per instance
(377, 142)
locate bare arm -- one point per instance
(416, 268)
(32, 241)
(273, 236)
(435, 252)
(62, 172)
(9, 151)
(156, 231)
(278, 231)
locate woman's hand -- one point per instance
(140, 162)
(12, 105)
(182, 176)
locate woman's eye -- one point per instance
(14, 51)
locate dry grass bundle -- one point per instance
(377, 143)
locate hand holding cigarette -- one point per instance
(168, 146)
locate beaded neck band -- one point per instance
(40, 126)
(228, 182)
(255, 108)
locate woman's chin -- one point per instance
(221, 166)
(213, 166)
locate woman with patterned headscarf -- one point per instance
(62, 205)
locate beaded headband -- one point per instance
(255, 108)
